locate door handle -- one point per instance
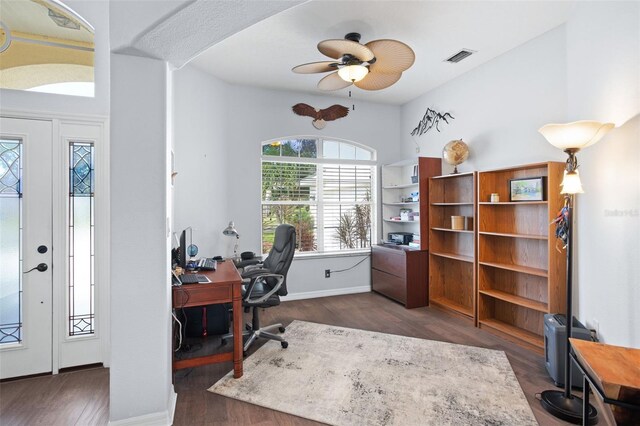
(41, 268)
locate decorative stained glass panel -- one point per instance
(81, 239)
(10, 241)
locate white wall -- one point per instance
(588, 68)
(256, 115)
(497, 107)
(603, 47)
(140, 376)
(200, 148)
(235, 120)
(97, 13)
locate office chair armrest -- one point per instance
(254, 272)
(255, 279)
(248, 264)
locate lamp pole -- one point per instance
(567, 357)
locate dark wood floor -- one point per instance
(81, 398)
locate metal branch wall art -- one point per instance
(430, 120)
(321, 116)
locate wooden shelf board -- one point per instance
(504, 234)
(517, 300)
(452, 175)
(527, 336)
(512, 203)
(455, 256)
(408, 185)
(452, 230)
(450, 304)
(451, 204)
(401, 221)
(518, 268)
(408, 203)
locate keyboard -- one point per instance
(207, 264)
(193, 279)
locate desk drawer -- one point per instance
(389, 261)
(201, 294)
(389, 285)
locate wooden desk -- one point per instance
(614, 373)
(225, 287)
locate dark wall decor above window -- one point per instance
(320, 116)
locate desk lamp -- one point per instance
(570, 137)
(230, 231)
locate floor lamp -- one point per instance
(571, 138)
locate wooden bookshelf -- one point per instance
(521, 276)
(399, 180)
(452, 266)
(401, 272)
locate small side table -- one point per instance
(614, 374)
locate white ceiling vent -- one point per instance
(464, 53)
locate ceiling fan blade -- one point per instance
(315, 67)
(333, 82)
(392, 56)
(378, 80)
(335, 48)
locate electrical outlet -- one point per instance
(327, 273)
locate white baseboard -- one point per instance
(164, 418)
(325, 293)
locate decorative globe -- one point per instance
(455, 152)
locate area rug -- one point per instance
(343, 376)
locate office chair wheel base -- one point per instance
(281, 329)
(284, 345)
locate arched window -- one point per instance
(325, 187)
(45, 47)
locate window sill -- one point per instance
(333, 254)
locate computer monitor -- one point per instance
(183, 248)
(187, 246)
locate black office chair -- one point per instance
(264, 283)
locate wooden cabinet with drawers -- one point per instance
(400, 273)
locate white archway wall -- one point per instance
(187, 28)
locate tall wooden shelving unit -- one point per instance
(521, 274)
(397, 184)
(401, 272)
(452, 252)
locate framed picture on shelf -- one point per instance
(527, 189)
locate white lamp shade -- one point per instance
(576, 135)
(353, 73)
(571, 183)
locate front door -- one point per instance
(25, 247)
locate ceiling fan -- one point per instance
(372, 66)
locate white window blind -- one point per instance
(328, 198)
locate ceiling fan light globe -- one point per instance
(353, 73)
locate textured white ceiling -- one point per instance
(31, 17)
(264, 53)
(189, 27)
